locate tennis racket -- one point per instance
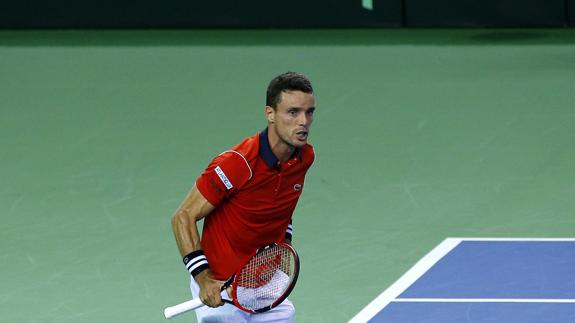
(261, 284)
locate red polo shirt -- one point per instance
(254, 196)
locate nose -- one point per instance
(305, 119)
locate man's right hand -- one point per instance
(210, 288)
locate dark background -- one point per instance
(285, 14)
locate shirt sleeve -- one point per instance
(225, 175)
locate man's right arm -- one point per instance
(184, 225)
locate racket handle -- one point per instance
(182, 308)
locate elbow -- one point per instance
(183, 218)
(179, 219)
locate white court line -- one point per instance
(518, 239)
(423, 265)
(482, 300)
(406, 280)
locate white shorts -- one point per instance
(228, 313)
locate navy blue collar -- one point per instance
(266, 151)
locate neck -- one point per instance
(282, 150)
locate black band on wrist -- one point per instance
(196, 262)
(289, 232)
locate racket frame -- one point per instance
(231, 282)
(195, 303)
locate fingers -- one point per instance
(213, 300)
(211, 295)
(210, 289)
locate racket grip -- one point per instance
(182, 308)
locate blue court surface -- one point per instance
(483, 280)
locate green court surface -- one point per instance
(419, 135)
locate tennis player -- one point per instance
(246, 198)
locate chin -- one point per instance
(299, 143)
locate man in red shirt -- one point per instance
(246, 197)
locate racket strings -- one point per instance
(265, 278)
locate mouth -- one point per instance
(301, 135)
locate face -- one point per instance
(292, 117)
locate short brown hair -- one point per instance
(289, 81)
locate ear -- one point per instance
(270, 114)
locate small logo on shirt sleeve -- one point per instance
(224, 178)
(297, 187)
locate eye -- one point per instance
(292, 113)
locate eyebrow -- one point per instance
(300, 108)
